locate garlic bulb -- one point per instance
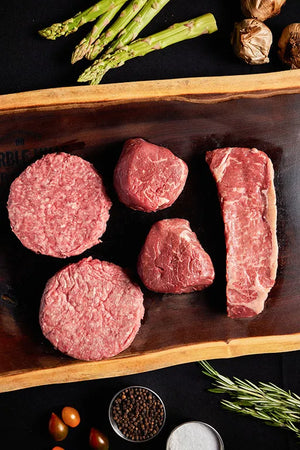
(251, 41)
(261, 9)
(289, 45)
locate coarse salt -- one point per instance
(194, 436)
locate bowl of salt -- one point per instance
(194, 435)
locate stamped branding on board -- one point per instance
(16, 153)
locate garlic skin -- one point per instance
(251, 41)
(261, 9)
(289, 46)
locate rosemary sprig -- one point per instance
(264, 401)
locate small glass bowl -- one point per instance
(203, 424)
(114, 424)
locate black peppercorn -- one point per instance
(138, 413)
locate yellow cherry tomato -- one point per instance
(70, 416)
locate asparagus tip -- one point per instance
(46, 34)
(82, 78)
(78, 54)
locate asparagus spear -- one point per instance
(140, 21)
(125, 17)
(176, 33)
(85, 44)
(71, 25)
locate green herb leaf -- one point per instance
(264, 401)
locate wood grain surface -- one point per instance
(189, 116)
(209, 89)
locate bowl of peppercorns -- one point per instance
(137, 414)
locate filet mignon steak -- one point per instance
(58, 206)
(91, 310)
(148, 177)
(245, 185)
(172, 259)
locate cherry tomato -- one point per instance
(98, 440)
(57, 428)
(70, 416)
(57, 448)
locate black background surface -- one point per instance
(29, 62)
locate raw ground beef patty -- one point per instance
(245, 185)
(58, 206)
(91, 310)
(172, 259)
(148, 177)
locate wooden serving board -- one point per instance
(190, 116)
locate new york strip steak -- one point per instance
(246, 190)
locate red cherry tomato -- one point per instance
(70, 416)
(98, 440)
(57, 448)
(57, 428)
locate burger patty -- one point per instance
(91, 310)
(58, 206)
